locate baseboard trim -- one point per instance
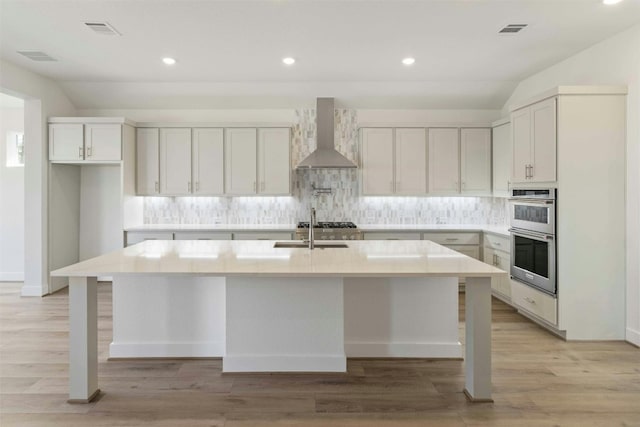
(284, 363)
(166, 350)
(633, 337)
(15, 276)
(32, 291)
(400, 349)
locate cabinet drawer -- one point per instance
(137, 237)
(500, 243)
(535, 302)
(262, 236)
(472, 251)
(198, 235)
(392, 236)
(453, 238)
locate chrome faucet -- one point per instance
(311, 224)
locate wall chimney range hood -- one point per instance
(325, 156)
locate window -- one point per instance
(15, 149)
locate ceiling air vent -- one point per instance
(512, 28)
(103, 28)
(36, 55)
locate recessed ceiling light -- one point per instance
(288, 60)
(168, 61)
(408, 61)
(609, 2)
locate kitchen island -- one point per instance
(294, 309)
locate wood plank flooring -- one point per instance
(538, 380)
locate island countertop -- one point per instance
(260, 258)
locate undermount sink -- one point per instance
(304, 245)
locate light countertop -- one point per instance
(495, 229)
(261, 259)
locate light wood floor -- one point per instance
(538, 380)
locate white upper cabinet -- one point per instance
(543, 141)
(377, 162)
(411, 161)
(444, 161)
(147, 161)
(534, 143)
(241, 161)
(502, 159)
(475, 161)
(175, 161)
(207, 161)
(103, 142)
(66, 142)
(77, 142)
(274, 162)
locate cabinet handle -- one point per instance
(530, 171)
(80, 152)
(452, 239)
(254, 186)
(495, 260)
(197, 185)
(529, 300)
(156, 186)
(189, 186)
(464, 185)
(89, 151)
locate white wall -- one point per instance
(43, 98)
(11, 202)
(615, 61)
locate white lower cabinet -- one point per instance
(266, 235)
(496, 252)
(392, 236)
(134, 237)
(534, 302)
(201, 235)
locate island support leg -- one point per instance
(83, 339)
(478, 339)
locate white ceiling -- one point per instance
(229, 52)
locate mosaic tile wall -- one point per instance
(343, 204)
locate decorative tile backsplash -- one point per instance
(343, 204)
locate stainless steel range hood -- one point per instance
(325, 156)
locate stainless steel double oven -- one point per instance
(533, 238)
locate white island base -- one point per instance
(285, 324)
(267, 309)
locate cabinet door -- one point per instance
(444, 161)
(175, 161)
(103, 142)
(274, 162)
(411, 161)
(489, 257)
(66, 142)
(147, 161)
(208, 161)
(543, 141)
(240, 151)
(377, 162)
(521, 139)
(501, 159)
(475, 161)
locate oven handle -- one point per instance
(537, 236)
(532, 201)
